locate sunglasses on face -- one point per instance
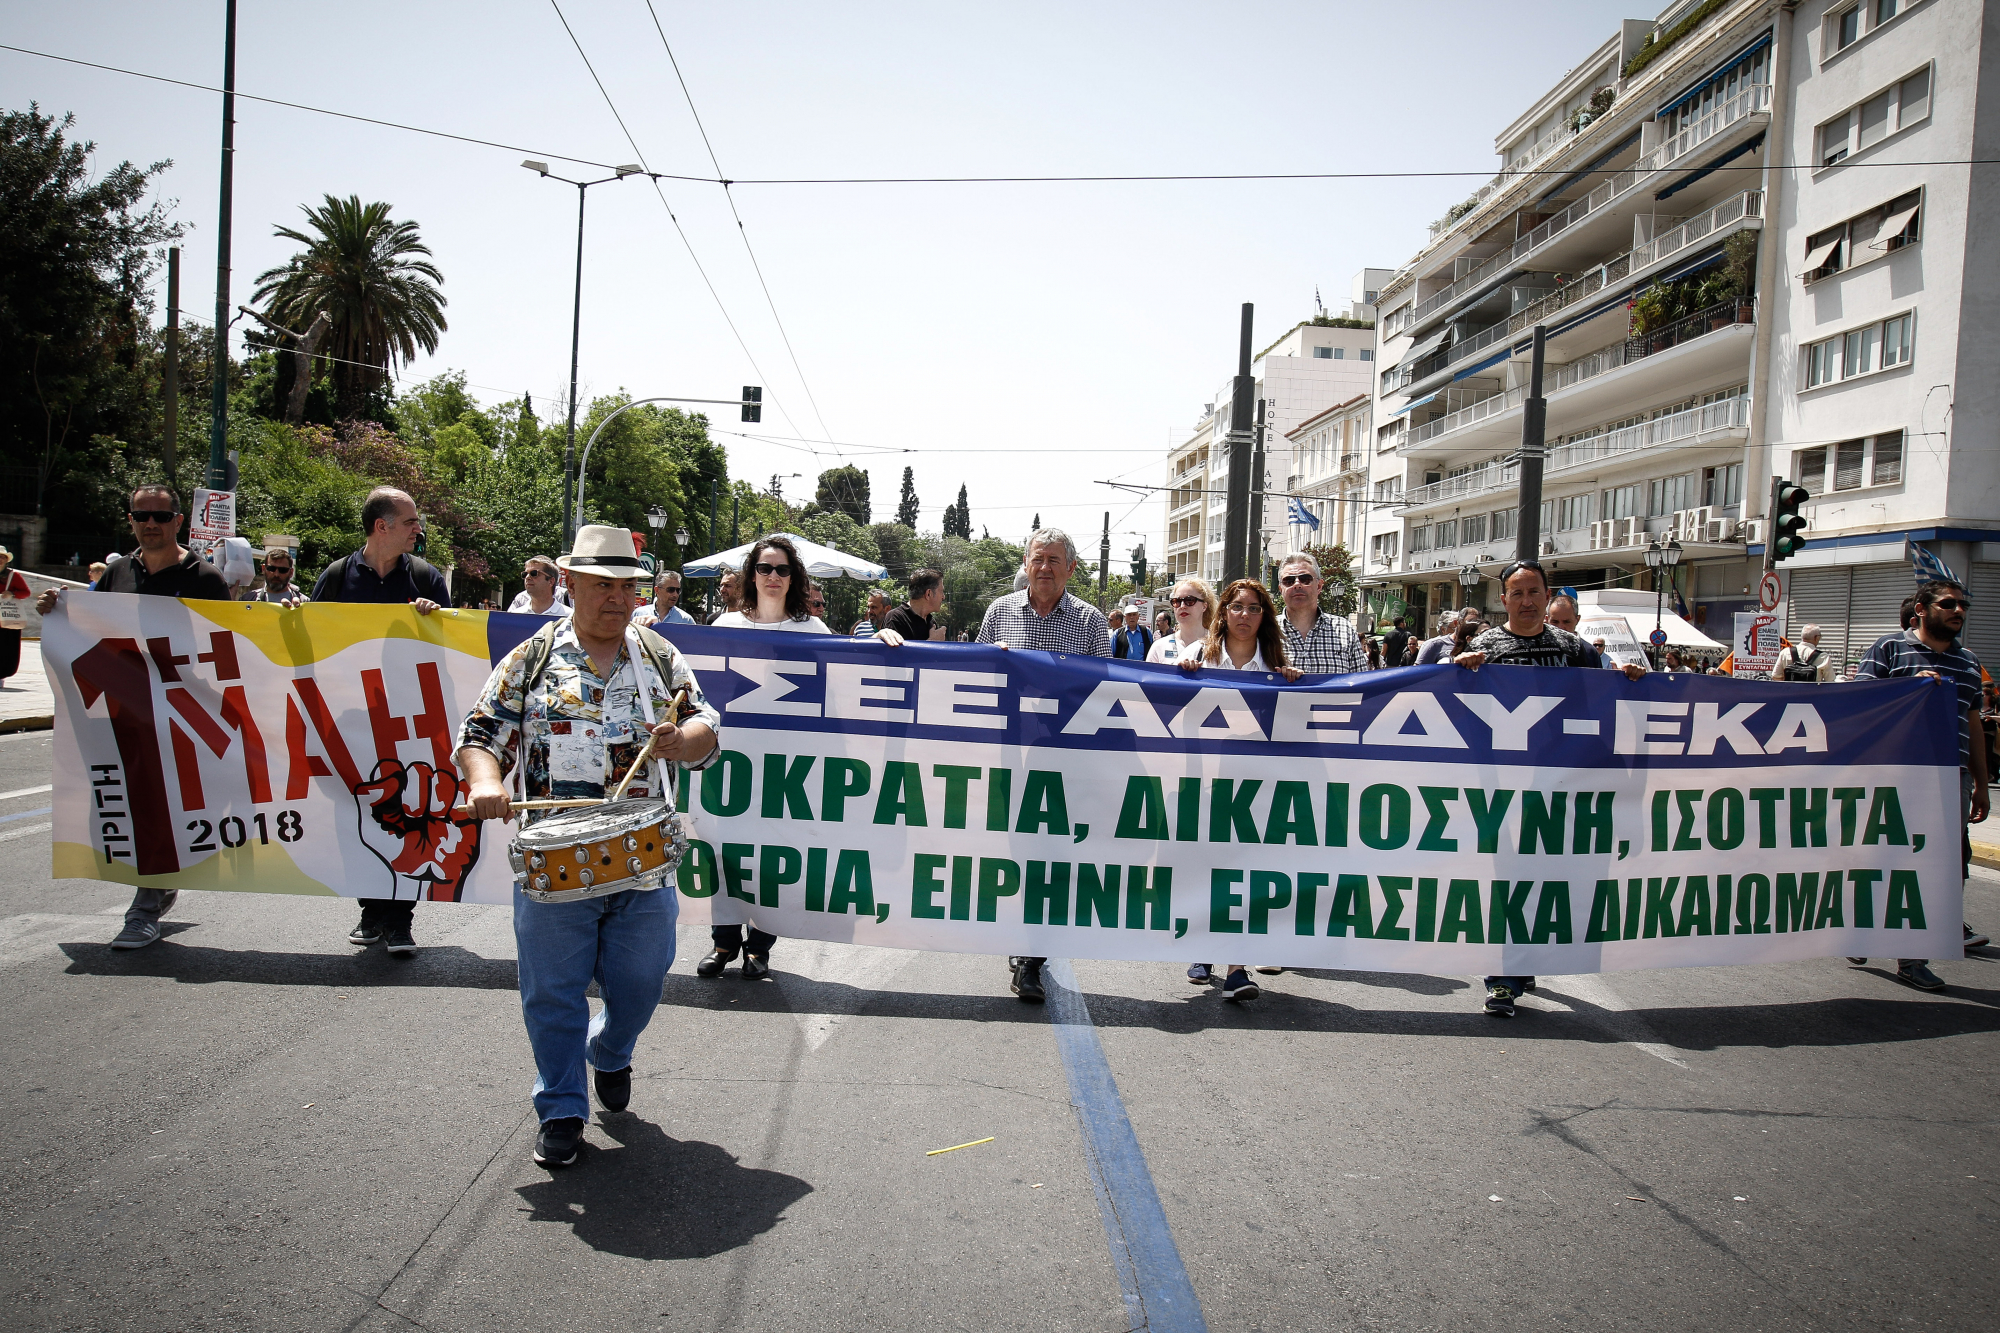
(536, 574)
(1953, 604)
(154, 515)
(670, 590)
(1291, 580)
(774, 571)
(1184, 601)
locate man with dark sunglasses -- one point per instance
(160, 567)
(1318, 644)
(279, 568)
(541, 594)
(1930, 647)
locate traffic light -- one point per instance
(1787, 523)
(1139, 568)
(753, 402)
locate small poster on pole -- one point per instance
(214, 516)
(1757, 642)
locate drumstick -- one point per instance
(674, 707)
(539, 805)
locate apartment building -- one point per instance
(1331, 453)
(1314, 366)
(1742, 228)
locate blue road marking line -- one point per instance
(1158, 1296)
(26, 814)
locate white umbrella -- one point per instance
(822, 562)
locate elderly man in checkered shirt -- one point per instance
(1043, 616)
(1318, 644)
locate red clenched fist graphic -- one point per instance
(410, 821)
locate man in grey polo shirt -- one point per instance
(1044, 617)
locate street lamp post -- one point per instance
(1468, 579)
(576, 329)
(1661, 557)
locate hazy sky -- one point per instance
(1028, 340)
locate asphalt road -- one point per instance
(252, 1125)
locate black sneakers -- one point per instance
(1027, 981)
(398, 940)
(614, 1088)
(1920, 976)
(560, 1141)
(1500, 1001)
(368, 932)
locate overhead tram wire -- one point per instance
(740, 229)
(953, 180)
(655, 178)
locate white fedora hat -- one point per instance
(603, 550)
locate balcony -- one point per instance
(1746, 209)
(1702, 347)
(1751, 101)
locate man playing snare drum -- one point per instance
(585, 721)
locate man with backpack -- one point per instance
(386, 570)
(1804, 662)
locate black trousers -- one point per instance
(388, 911)
(730, 938)
(10, 652)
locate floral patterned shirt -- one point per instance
(584, 729)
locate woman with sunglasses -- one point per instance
(1193, 603)
(1250, 640)
(774, 581)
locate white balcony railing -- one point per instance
(1730, 413)
(1751, 100)
(1664, 246)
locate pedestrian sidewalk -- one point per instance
(1986, 843)
(26, 701)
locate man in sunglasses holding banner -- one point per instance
(160, 567)
(1318, 644)
(1931, 647)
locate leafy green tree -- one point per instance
(373, 277)
(76, 257)
(1337, 595)
(907, 507)
(845, 597)
(895, 546)
(958, 517)
(845, 489)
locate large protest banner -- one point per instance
(968, 799)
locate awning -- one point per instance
(1817, 256)
(1893, 227)
(1685, 181)
(1418, 403)
(1709, 260)
(1721, 68)
(1424, 348)
(822, 562)
(1639, 624)
(1487, 364)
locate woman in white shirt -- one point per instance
(1250, 640)
(775, 580)
(1193, 602)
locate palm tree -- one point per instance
(365, 271)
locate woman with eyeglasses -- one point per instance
(1193, 603)
(775, 584)
(1249, 640)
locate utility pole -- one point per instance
(218, 420)
(1534, 420)
(1236, 522)
(735, 520)
(714, 488)
(1104, 568)
(1253, 554)
(170, 387)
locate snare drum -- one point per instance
(600, 849)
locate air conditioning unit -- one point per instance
(1600, 534)
(1630, 532)
(1721, 530)
(1751, 530)
(1548, 547)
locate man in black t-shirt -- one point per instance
(386, 570)
(160, 567)
(1526, 639)
(912, 619)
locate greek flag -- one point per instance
(1302, 516)
(1926, 566)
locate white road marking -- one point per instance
(863, 968)
(26, 791)
(36, 933)
(1592, 989)
(12, 834)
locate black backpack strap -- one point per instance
(541, 645)
(657, 650)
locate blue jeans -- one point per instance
(622, 941)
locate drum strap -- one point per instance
(639, 642)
